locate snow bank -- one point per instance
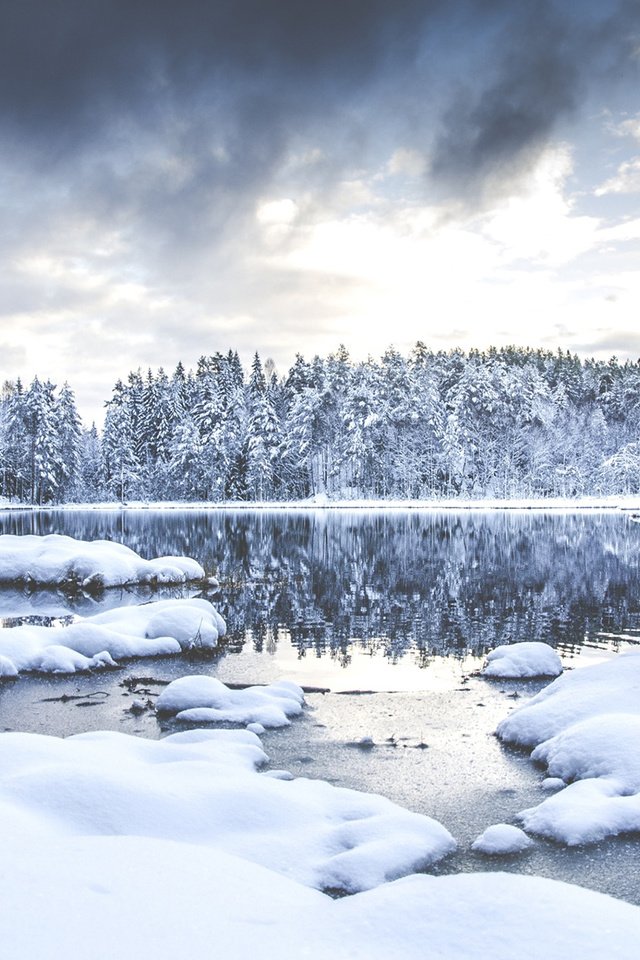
(500, 839)
(139, 897)
(610, 687)
(137, 840)
(56, 559)
(203, 787)
(151, 629)
(585, 727)
(521, 660)
(201, 699)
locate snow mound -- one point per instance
(610, 687)
(226, 907)
(195, 853)
(521, 660)
(151, 629)
(500, 839)
(55, 559)
(585, 727)
(203, 787)
(202, 699)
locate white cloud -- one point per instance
(277, 212)
(626, 180)
(399, 272)
(410, 163)
(624, 232)
(538, 225)
(628, 128)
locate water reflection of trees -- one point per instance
(397, 584)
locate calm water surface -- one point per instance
(390, 611)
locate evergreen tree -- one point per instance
(119, 444)
(45, 466)
(69, 432)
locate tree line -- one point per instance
(506, 422)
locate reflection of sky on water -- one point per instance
(327, 595)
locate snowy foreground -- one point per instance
(55, 560)
(191, 846)
(151, 629)
(181, 847)
(585, 728)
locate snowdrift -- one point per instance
(519, 661)
(181, 847)
(151, 629)
(585, 728)
(56, 560)
(202, 699)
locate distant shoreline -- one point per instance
(553, 504)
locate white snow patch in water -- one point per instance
(203, 699)
(501, 839)
(55, 559)
(151, 629)
(204, 787)
(522, 660)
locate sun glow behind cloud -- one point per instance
(416, 271)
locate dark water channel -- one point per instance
(390, 613)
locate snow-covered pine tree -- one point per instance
(69, 432)
(121, 465)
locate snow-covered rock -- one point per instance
(55, 559)
(501, 839)
(202, 699)
(552, 784)
(521, 660)
(7, 667)
(585, 727)
(151, 629)
(203, 787)
(147, 840)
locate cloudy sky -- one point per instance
(184, 176)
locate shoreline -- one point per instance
(629, 503)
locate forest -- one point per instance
(502, 423)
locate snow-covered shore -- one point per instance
(183, 848)
(585, 729)
(628, 503)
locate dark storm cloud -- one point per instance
(258, 69)
(66, 67)
(543, 63)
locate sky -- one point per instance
(179, 177)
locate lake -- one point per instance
(390, 613)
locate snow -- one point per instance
(151, 629)
(321, 501)
(202, 699)
(609, 687)
(585, 727)
(521, 660)
(55, 559)
(500, 839)
(204, 787)
(551, 784)
(179, 847)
